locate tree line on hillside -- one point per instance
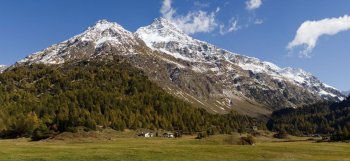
(39, 100)
(329, 119)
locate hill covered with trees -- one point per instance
(331, 119)
(39, 100)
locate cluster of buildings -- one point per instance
(150, 134)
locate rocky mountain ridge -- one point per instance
(162, 35)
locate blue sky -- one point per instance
(262, 29)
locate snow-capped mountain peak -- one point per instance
(161, 31)
(164, 24)
(105, 24)
(164, 36)
(103, 32)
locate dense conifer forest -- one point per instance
(39, 101)
(330, 119)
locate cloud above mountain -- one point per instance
(310, 31)
(200, 20)
(193, 22)
(232, 27)
(253, 4)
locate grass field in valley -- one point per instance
(186, 148)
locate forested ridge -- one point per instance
(331, 119)
(40, 100)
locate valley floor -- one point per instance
(185, 148)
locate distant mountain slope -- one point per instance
(321, 118)
(193, 70)
(346, 93)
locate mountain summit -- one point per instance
(162, 30)
(196, 71)
(94, 38)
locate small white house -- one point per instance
(168, 135)
(146, 134)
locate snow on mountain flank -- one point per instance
(163, 36)
(105, 31)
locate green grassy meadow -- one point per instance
(186, 148)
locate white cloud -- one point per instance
(253, 4)
(310, 31)
(233, 26)
(258, 21)
(166, 9)
(201, 5)
(192, 22)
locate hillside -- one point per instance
(322, 118)
(39, 100)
